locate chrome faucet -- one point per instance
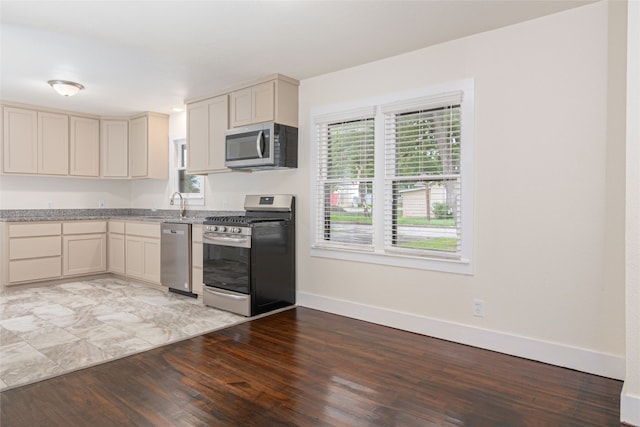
(181, 202)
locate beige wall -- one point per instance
(548, 202)
(630, 399)
(549, 196)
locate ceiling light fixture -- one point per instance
(65, 88)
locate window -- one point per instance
(393, 180)
(346, 167)
(190, 186)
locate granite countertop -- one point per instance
(148, 215)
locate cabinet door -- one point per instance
(138, 147)
(262, 102)
(20, 146)
(84, 254)
(85, 146)
(53, 144)
(198, 137)
(218, 125)
(134, 260)
(114, 144)
(157, 146)
(207, 122)
(116, 253)
(151, 260)
(240, 107)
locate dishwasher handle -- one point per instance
(173, 231)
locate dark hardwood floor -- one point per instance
(304, 367)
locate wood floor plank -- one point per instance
(303, 367)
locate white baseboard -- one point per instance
(629, 408)
(580, 359)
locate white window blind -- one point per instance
(345, 174)
(422, 206)
(393, 182)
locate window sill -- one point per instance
(463, 266)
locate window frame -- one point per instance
(379, 254)
(190, 199)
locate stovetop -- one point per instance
(238, 220)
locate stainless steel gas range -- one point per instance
(249, 260)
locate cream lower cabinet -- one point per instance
(142, 249)
(84, 247)
(196, 259)
(34, 252)
(116, 248)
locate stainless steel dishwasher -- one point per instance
(175, 249)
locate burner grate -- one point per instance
(237, 220)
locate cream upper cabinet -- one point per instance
(114, 148)
(262, 102)
(84, 145)
(35, 142)
(53, 143)
(20, 140)
(273, 100)
(253, 105)
(149, 146)
(207, 122)
(240, 108)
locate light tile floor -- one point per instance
(47, 331)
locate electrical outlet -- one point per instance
(50, 204)
(477, 308)
(100, 204)
(225, 205)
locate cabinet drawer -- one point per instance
(31, 229)
(34, 269)
(116, 227)
(34, 247)
(84, 227)
(143, 229)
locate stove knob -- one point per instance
(213, 228)
(236, 230)
(222, 229)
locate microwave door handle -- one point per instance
(260, 144)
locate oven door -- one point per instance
(226, 262)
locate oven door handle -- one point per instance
(225, 295)
(213, 238)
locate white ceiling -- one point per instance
(135, 56)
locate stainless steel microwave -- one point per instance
(262, 146)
